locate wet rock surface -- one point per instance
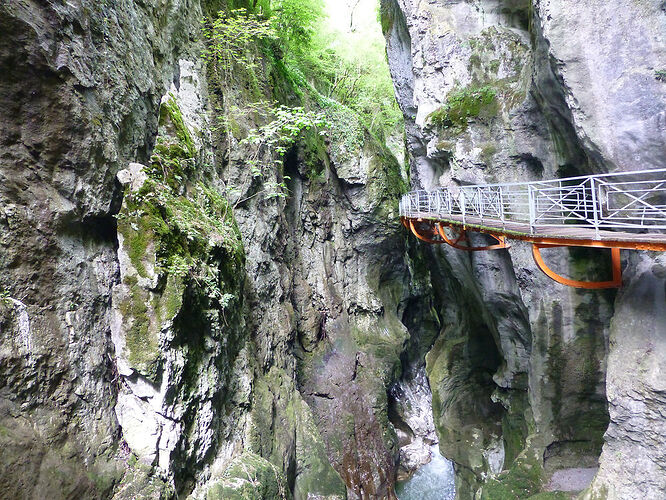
(434, 481)
(267, 373)
(576, 479)
(79, 90)
(410, 411)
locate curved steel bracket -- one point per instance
(462, 236)
(422, 237)
(616, 282)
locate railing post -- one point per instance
(595, 208)
(560, 197)
(501, 206)
(480, 198)
(532, 207)
(461, 202)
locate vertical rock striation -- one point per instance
(170, 328)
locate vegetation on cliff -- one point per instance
(465, 104)
(298, 117)
(322, 67)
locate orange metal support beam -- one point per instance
(437, 231)
(573, 242)
(616, 282)
(463, 236)
(427, 239)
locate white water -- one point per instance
(433, 481)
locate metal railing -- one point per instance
(627, 200)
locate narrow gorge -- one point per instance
(206, 291)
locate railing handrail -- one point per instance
(599, 200)
(563, 179)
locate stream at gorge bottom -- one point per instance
(433, 481)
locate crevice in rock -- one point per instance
(548, 91)
(410, 412)
(101, 229)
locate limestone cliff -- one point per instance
(171, 325)
(77, 108)
(500, 91)
(185, 315)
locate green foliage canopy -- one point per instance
(296, 22)
(230, 35)
(341, 74)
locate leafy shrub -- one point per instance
(231, 35)
(5, 297)
(277, 137)
(296, 22)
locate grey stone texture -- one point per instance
(79, 92)
(118, 378)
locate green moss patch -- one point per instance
(192, 237)
(180, 234)
(250, 477)
(464, 105)
(385, 184)
(348, 134)
(172, 117)
(315, 475)
(141, 340)
(488, 150)
(383, 338)
(551, 495)
(522, 480)
(514, 425)
(140, 483)
(387, 16)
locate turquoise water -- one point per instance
(433, 481)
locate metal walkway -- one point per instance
(616, 211)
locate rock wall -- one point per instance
(80, 88)
(500, 91)
(167, 329)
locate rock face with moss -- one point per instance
(327, 310)
(80, 89)
(258, 355)
(172, 323)
(184, 313)
(501, 92)
(178, 313)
